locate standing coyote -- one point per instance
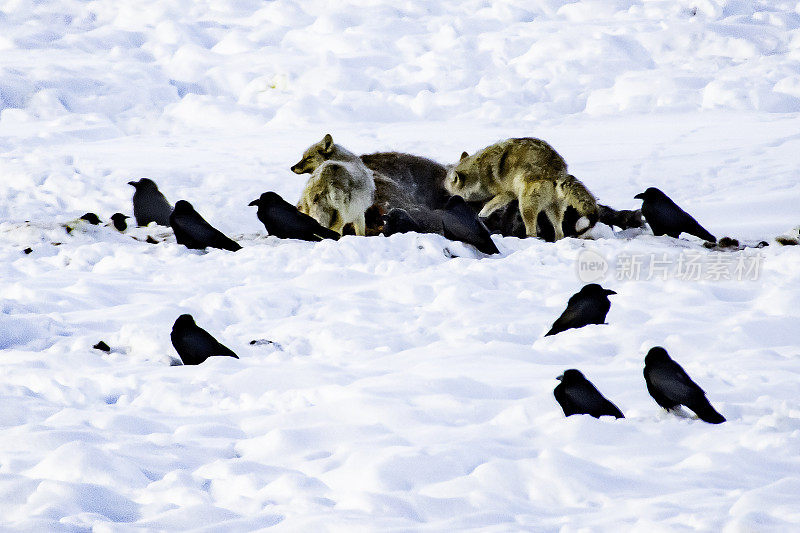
(527, 170)
(341, 188)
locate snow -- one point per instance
(407, 385)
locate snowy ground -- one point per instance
(403, 389)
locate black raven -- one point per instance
(670, 386)
(590, 305)
(192, 230)
(194, 344)
(577, 396)
(666, 218)
(149, 205)
(285, 221)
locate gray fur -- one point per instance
(623, 219)
(421, 180)
(341, 188)
(525, 169)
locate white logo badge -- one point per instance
(592, 267)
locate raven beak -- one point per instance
(560, 378)
(640, 196)
(609, 291)
(134, 183)
(254, 202)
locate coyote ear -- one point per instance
(327, 142)
(464, 155)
